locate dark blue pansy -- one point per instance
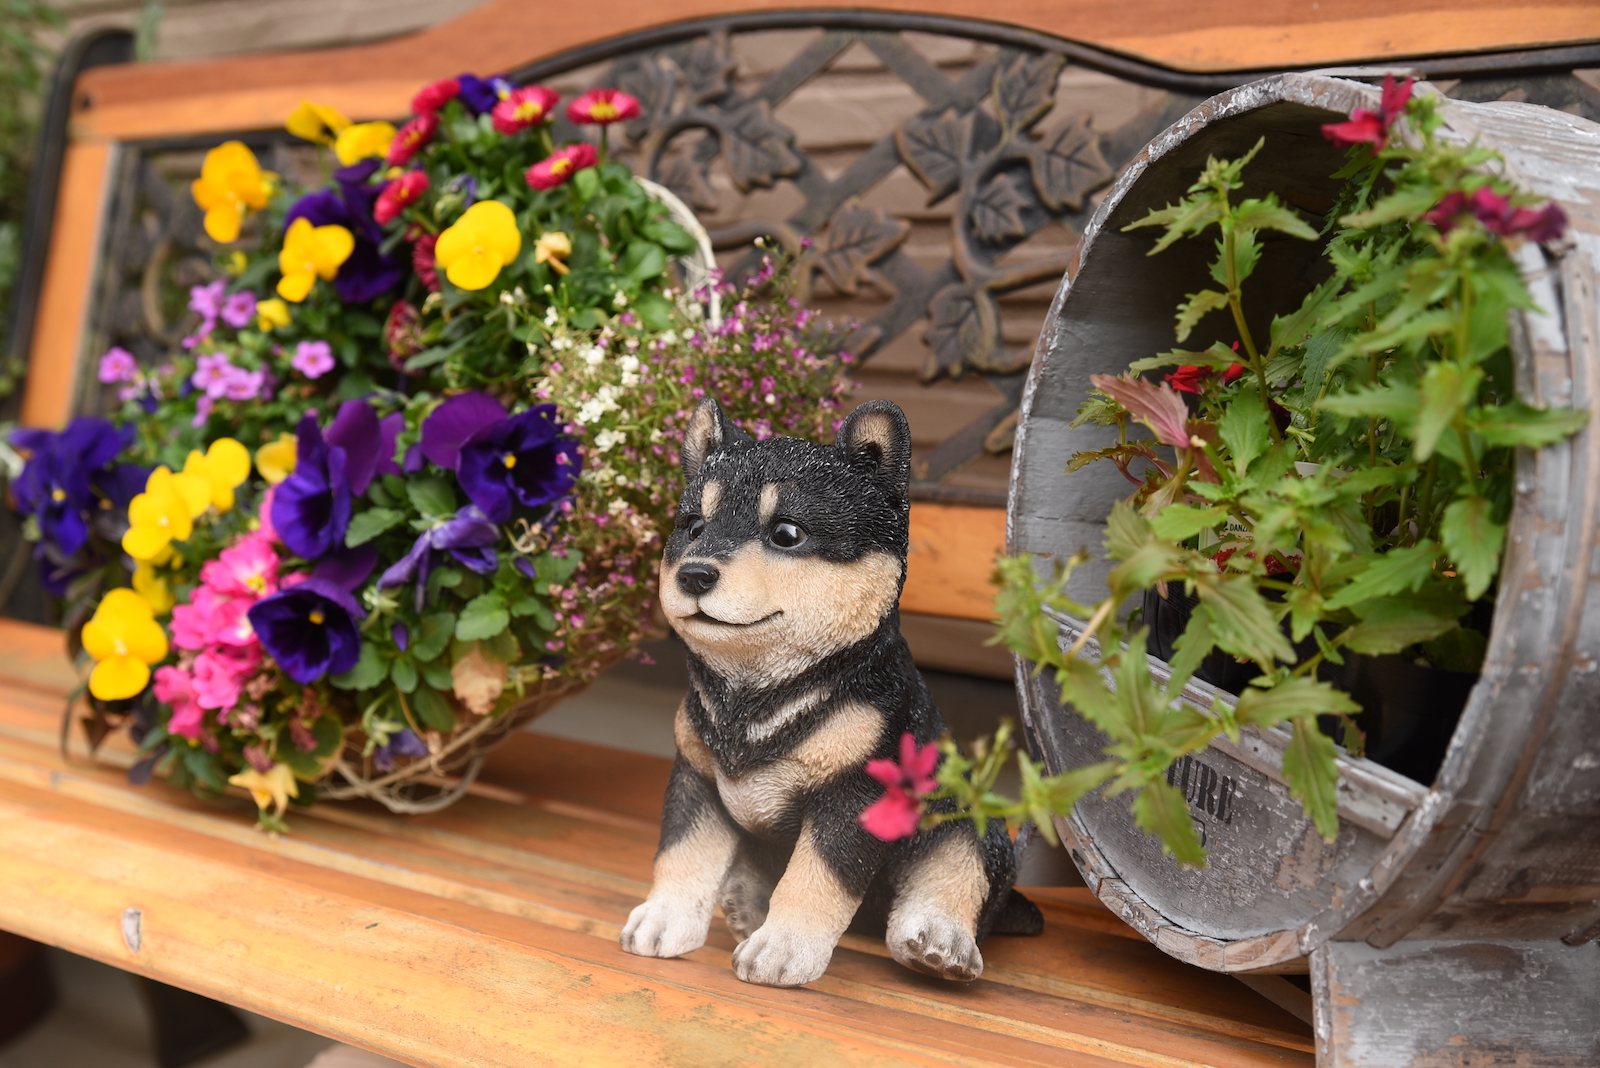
(468, 536)
(311, 508)
(59, 481)
(309, 629)
(501, 461)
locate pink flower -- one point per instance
(248, 569)
(1157, 407)
(312, 358)
(244, 385)
(219, 678)
(602, 107)
(176, 688)
(422, 262)
(213, 374)
(412, 138)
(399, 195)
(435, 95)
(118, 365)
(267, 532)
(523, 108)
(1498, 216)
(195, 625)
(895, 815)
(561, 164)
(1372, 127)
(239, 309)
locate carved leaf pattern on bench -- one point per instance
(856, 238)
(934, 147)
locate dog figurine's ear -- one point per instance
(878, 431)
(710, 429)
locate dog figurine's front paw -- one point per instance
(936, 945)
(782, 956)
(660, 928)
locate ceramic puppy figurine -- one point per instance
(782, 576)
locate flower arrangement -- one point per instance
(1339, 488)
(404, 484)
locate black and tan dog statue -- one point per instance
(782, 577)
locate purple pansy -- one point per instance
(58, 483)
(401, 635)
(482, 94)
(367, 273)
(468, 536)
(501, 461)
(347, 568)
(310, 628)
(367, 441)
(311, 508)
(405, 743)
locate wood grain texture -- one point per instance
(64, 298)
(485, 935)
(953, 548)
(504, 34)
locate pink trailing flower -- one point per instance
(412, 138)
(523, 108)
(1498, 216)
(312, 358)
(247, 569)
(176, 688)
(219, 677)
(239, 309)
(399, 195)
(118, 365)
(896, 814)
(561, 164)
(195, 625)
(434, 95)
(602, 107)
(1372, 127)
(266, 532)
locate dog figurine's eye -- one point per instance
(786, 535)
(696, 525)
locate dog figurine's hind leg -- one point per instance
(782, 576)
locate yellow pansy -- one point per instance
(271, 313)
(276, 459)
(482, 241)
(553, 248)
(238, 263)
(153, 587)
(315, 122)
(126, 639)
(157, 517)
(311, 252)
(224, 466)
(273, 787)
(364, 139)
(230, 183)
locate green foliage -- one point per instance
(1346, 488)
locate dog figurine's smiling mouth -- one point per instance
(782, 576)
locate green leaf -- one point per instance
(1218, 355)
(1397, 403)
(1519, 424)
(1305, 610)
(1289, 331)
(432, 635)
(644, 260)
(669, 234)
(404, 673)
(432, 707)
(483, 617)
(587, 183)
(1191, 648)
(1149, 564)
(1388, 573)
(1243, 429)
(1268, 214)
(1404, 204)
(370, 670)
(1290, 698)
(433, 497)
(1474, 541)
(1197, 307)
(1056, 795)
(1126, 531)
(1161, 811)
(1446, 391)
(364, 526)
(1179, 522)
(1190, 215)
(1312, 775)
(437, 675)
(1242, 621)
(1390, 624)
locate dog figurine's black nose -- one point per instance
(695, 579)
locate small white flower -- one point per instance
(688, 335)
(593, 355)
(561, 344)
(506, 298)
(617, 507)
(669, 336)
(551, 318)
(620, 300)
(770, 398)
(656, 436)
(629, 380)
(629, 364)
(607, 440)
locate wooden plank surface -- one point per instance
(486, 934)
(237, 93)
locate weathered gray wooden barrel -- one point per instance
(1505, 843)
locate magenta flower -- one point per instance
(214, 374)
(207, 300)
(561, 164)
(118, 365)
(422, 262)
(601, 107)
(434, 95)
(244, 385)
(239, 309)
(896, 814)
(1498, 216)
(312, 358)
(523, 108)
(219, 676)
(176, 688)
(248, 568)
(412, 138)
(1372, 127)
(400, 194)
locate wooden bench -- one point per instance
(486, 935)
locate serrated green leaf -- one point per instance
(1390, 624)
(433, 634)
(1474, 541)
(1519, 424)
(1313, 776)
(1197, 307)
(1305, 611)
(433, 709)
(1268, 214)
(370, 670)
(1397, 403)
(1405, 204)
(482, 617)
(1218, 355)
(432, 497)
(1191, 648)
(1242, 621)
(1179, 522)
(364, 526)
(1126, 531)
(1160, 810)
(1290, 698)
(1446, 391)
(1190, 215)
(1150, 563)
(1243, 429)
(1383, 574)
(1293, 329)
